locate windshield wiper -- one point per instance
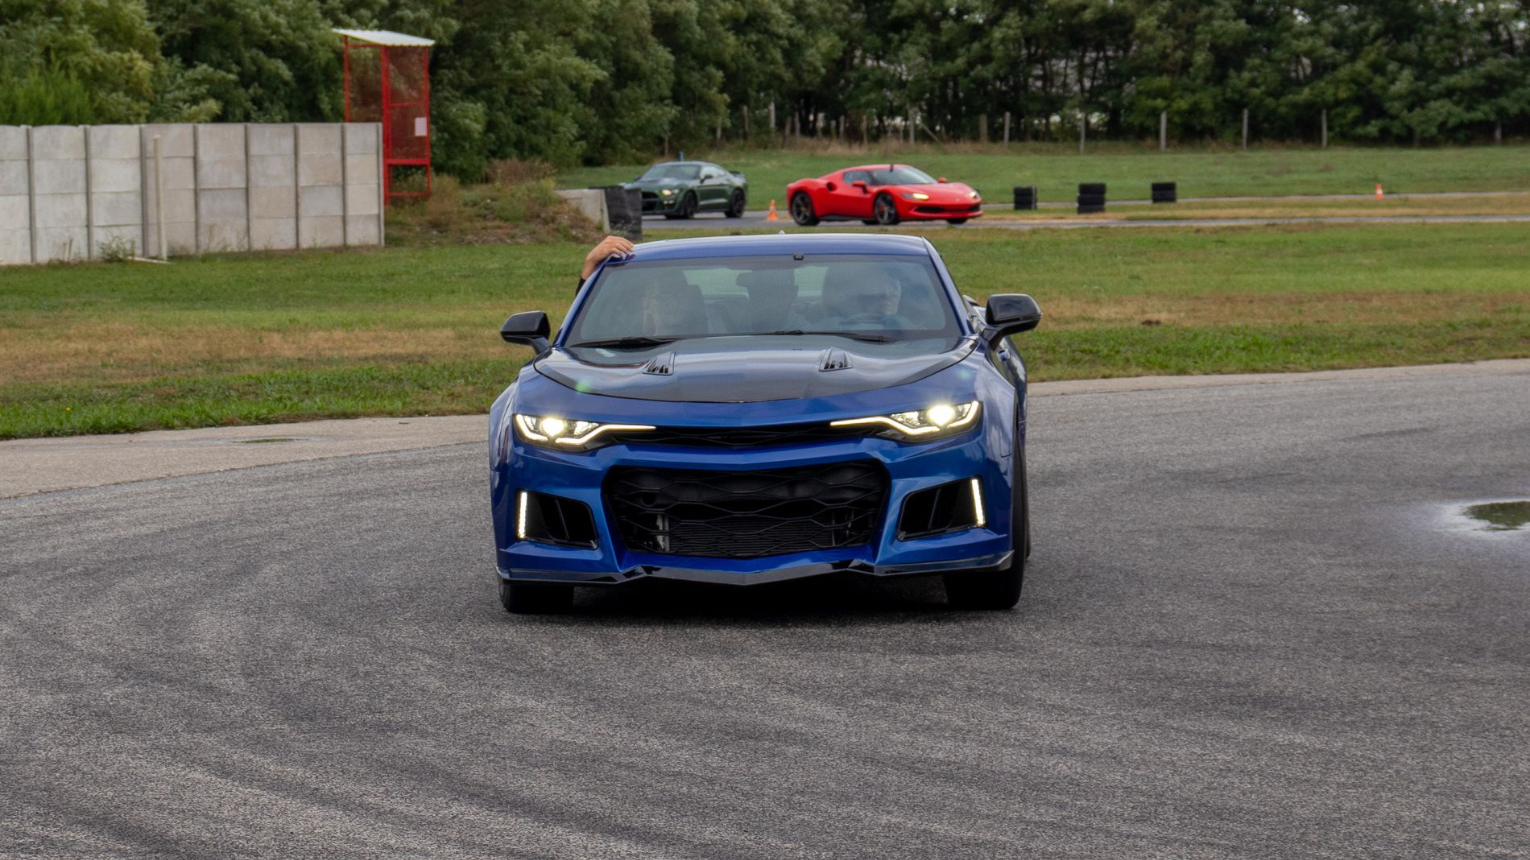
(639, 342)
(865, 336)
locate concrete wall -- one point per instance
(76, 192)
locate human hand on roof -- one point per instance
(607, 248)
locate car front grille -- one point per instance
(949, 210)
(751, 514)
(741, 437)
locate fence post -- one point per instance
(1083, 129)
(983, 128)
(1245, 129)
(159, 201)
(1163, 131)
(1498, 132)
(1325, 128)
(1006, 129)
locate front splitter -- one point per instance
(692, 574)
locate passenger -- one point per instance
(772, 292)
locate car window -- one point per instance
(856, 176)
(901, 176)
(672, 171)
(899, 298)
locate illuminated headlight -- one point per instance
(942, 419)
(974, 196)
(666, 191)
(564, 435)
(916, 195)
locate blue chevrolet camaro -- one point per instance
(753, 409)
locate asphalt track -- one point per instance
(1251, 628)
(757, 220)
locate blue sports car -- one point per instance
(753, 409)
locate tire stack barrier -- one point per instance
(624, 209)
(1026, 197)
(1091, 198)
(1165, 192)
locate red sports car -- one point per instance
(881, 194)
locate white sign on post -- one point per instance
(419, 126)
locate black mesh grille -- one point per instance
(740, 437)
(747, 514)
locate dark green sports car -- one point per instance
(680, 189)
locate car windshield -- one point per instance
(901, 176)
(672, 171)
(862, 297)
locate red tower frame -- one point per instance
(387, 81)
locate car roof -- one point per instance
(876, 244)
(882, 166)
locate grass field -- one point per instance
(1128, 171)
(1388, 207)
(264, 338)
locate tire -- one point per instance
(735, 205)
(802, 210)
(886, 210)
(998, 590)
(955, 222)
(534, 598)
(687, 206)
(1091, 188)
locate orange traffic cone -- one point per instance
(774, 217)
(1379, 195)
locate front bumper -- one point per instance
(986, 453)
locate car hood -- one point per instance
(718, 371)
(656, 184)
(945, 192)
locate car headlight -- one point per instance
(940, 420)
(565, 435)
(916, 195)
(974, 196)
(666, 191)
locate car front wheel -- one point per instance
(736, 205)
(886, 210)
(534, 598)
(802, 210)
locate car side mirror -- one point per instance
(942, 180)
(1010, 313)
(862, 186)
(527, 327)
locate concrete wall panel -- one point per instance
(361, 200)
(362, 230)
(58, 142)
(113, 141)
(324, 232)
(361, 170)
(13, 142)
(271, 171)
(125, 239)
(362, 138)
(320, 200)
(60, 243)
(273, 234)
(15, 212)
(175, 141)
(60, 210)
(118, 209)
(15, 247)
(272, 140)
(115, 174)
(58, 175)
(272, 203)
(13, 178)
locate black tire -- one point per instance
(1091, 188)
(998, 590)
(886, 210)
(687, 206)
(869, 222)
(735, 205)
(954, 222)
(534, 598)
(802, 210)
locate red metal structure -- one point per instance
(387, 80)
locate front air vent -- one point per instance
(941, 510)
(662, 364)
(553, 519)
(834, 359)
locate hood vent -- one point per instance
(662, 364)
(834, 359)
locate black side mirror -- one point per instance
(527, 327)
(1010, 313)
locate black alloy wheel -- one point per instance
(886, 210)
(735, 205)
(688, 205)
(534, 598)
(998, 590)
(802, 210)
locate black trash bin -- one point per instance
(1165, 192)
(624, 206)
(1025, 197)
(1091, 198)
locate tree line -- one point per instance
(594, 81)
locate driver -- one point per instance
(861, 297)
